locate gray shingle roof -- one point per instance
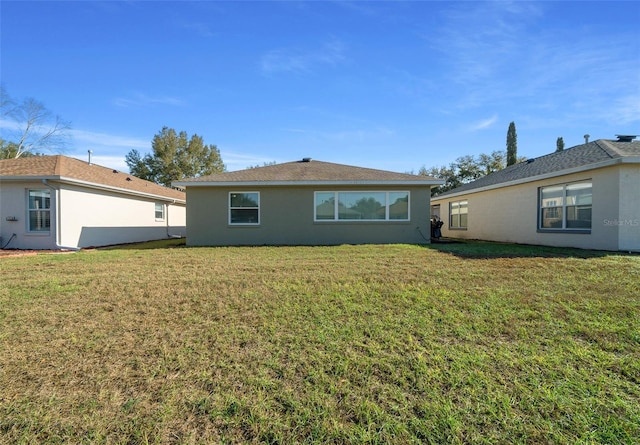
(313, 172)
(581, 156)
(60, 167)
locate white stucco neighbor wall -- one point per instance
(628, 220)
(510, 214)
(102, 218)
(14, 218)
(86, 217)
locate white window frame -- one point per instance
(560, 206)
(336, 202)
(40, 212)
(160, 208)
(457, 224)
(231, 223)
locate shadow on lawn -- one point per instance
(485, 250)
(472, 249)
(147, 245)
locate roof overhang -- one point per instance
(569, 171)
(421, 183)
(92, 185)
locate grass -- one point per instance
(455, 343)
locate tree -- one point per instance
(34, 127)
(264, 164)
(449, 175)
(492, 162)
(559, 144)
(175, 156)
(512, 145)
(9, 150)
(465, 169)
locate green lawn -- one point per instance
(452, 343)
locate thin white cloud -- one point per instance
(202, 29)
(627, 109)
(294, 130)
(295, 60)
(90, 139)
(199, 28)
(234, 160)
(479, 39)
(353, 136)
(499, 53)
(108, 150)
(143, 100)
(483, 124)
(6, 124)
(114, 162)
(358, 135)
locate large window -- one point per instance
(566, 207)
(458, 212)
(159, 211)
(362, 206)
(244, 208)
(39, 210)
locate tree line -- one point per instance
(469, 168)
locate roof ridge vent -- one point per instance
(626, 137)
(306, 159)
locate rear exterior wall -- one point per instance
(287, 218)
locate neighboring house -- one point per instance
(586, 196)
(307, 203)
(57, 202)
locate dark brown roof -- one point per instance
(309, 172)
(68, 169)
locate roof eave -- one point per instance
(23, 178)
(569, 171)
(187, 184)
(93, 185)
(121, 190)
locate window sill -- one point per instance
(572, 231)
(457, 228)
(362, 221)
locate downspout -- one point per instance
(58, 216)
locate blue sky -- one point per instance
(392, 85)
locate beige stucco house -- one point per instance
(587, 196)
(58, 202)
(307, 202)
